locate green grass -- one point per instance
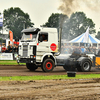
(9, 62)
(20, 78)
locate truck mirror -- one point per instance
(41, 39)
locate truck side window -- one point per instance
(43, 37)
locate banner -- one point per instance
(1, 20)
(6, 56)
(11, 35)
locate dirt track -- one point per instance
(51, 90)
(23, 71)
(88, 89)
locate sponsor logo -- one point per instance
(53, 46)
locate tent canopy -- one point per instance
(80, 39)
(85, 38)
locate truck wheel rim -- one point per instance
(86, 65)
(49, 65)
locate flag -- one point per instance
(1, 20)
(11, 35)
(86, 36)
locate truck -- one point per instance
(41, 47)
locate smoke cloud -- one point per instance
(70, 6)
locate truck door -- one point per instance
(43, 45)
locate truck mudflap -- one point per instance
(96, 62)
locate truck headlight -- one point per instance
(31, 56)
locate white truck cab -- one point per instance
(41, 47)
(38, 47)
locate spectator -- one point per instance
(8, 46)
(11, 48)
(83, 50)
(0, 48)
(76, 50)
(16, 49)
(4, 48)
(7, 51)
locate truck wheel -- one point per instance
(79, 68)
(48, 65)
(31, 67)
(66, 68)
(86, 66)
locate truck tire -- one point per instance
(66, 68)
(85, 66)
(48, 65)
(79, 68)
(31, 67)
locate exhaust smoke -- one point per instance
(70, 6)
(92, 7)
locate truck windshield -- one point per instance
(28, 37)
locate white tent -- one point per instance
(85, 38)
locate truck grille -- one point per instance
(25, 50)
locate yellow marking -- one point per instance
(97, 60)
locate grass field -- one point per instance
(20, 78)
(9, 62)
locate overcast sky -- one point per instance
(40, 10)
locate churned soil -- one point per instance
(50, 90)
(62, 89)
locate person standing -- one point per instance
(0, 48)
(4, 48)
(11, 48)
(83, 50)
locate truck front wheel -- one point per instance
(48, 65)
(31, 67)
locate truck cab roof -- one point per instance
(54, 30)
(30, 30)
(36, 30)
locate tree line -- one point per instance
(15, 20)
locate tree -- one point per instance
(98, 35)
(1, 40)
(76, 25)
(15, 20)
(55, 20)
